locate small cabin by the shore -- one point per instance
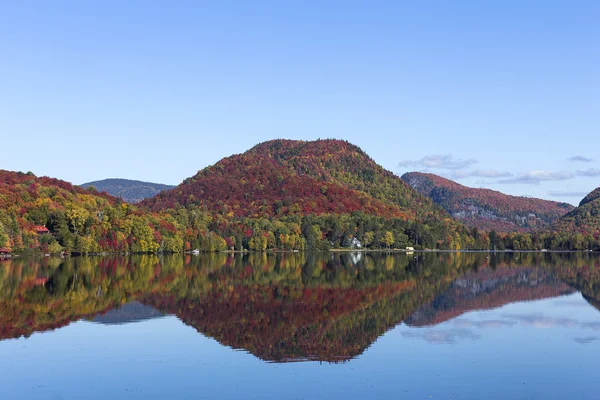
(4, 252)
(41, 230)
(411, 249)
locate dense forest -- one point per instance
(281, 195)
(585, 219)
(487, 209)
(51, 216)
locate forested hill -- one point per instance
(49, 215)
(287, 177)
(583, 220)
(318, 193)
(129, 190)
(487, 209)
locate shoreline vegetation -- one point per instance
(282, 195)
(38, 255)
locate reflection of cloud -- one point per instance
(570, 303)
(591, 325)
(492, 323)
(540, 321)
(449, 336)
(585, 340)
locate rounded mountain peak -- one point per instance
(285, 148)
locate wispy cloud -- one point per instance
(536, 177)
(479, 173)
(580, 159)
(438, 161)
(567, 194)
(590, 173)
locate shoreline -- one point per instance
(365, 251)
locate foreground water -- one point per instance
(301, 326)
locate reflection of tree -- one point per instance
(282, 323)
(285, 307)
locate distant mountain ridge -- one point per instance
(487, 209)
(131, 191)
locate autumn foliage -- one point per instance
(487, 209)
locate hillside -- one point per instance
(283, 177)
(583, 220)
(343, 190)
(49, 215)
(487, 209)
(130, 191)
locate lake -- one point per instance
(301, 326)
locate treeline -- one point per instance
(84, 221)
(544, 240)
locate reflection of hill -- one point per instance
(128, 313)
(584, 277)
(593, 302)
(328, 307)
(487, 289)
(295, 324)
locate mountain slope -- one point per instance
(487, 209)
(129, 190)
(287, 177)
(584, 219)
(50, 215)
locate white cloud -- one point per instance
(479, 173)
(591, 172)
(438, 161)
(567, 194)
(536, 177)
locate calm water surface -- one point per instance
(301, 326)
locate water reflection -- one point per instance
(296, 307)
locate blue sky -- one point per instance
(499, 94)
